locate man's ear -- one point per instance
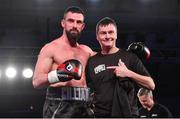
(83, 26)
(97, 37)
(62, 23)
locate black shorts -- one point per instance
(55, 107)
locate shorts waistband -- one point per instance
(68, 93)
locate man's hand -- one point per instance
(121, 70)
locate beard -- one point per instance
(73, 36)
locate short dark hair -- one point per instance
(74, 9)
(104, 22)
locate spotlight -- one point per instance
(27, 73)
(11, 72)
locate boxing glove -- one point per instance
(70, 69)
(140, 50)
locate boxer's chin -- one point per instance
(73, 37)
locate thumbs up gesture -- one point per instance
(121, 70)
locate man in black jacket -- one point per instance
(151, 109)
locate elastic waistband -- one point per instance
(68, 93)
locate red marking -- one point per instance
(76, 69)
(70, 76)
(61, 66)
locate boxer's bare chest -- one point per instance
(63, 54)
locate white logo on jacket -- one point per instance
(154, 115)
(99, 68)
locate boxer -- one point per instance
(60, 67)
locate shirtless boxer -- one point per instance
(60, 67)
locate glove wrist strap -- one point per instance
(52, 77)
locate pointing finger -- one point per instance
(111, 67)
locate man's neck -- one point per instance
(112, 50)
(68, 41)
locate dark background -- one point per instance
(26, 25)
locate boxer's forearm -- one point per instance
(40, 81)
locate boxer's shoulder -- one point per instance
(84, 46)
(48, 49)
(86, 49)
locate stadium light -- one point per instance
(27, 73)
(11, 72)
